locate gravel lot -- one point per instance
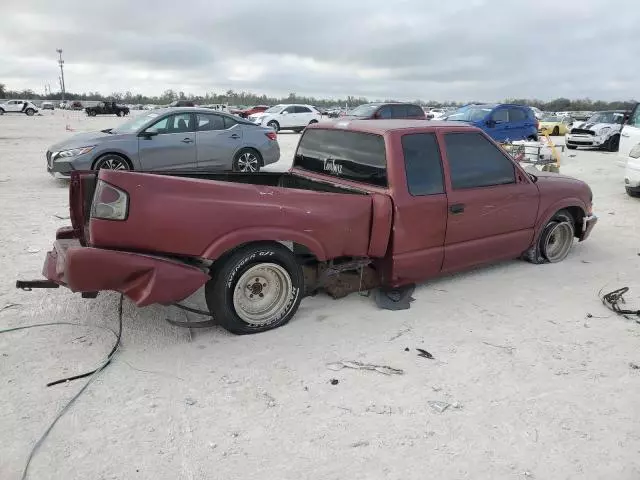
(539, 388)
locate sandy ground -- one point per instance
(539, 389)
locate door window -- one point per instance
(302, 110)
(179, 123)
(517, 115)
(399, 111)
(422, 164)
(500, 116)
(384, 112)
(229, 122)
(415, 111)
(207, 122)
(475, 162)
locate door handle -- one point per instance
(186, 140)
(457, 208)
(235, 135)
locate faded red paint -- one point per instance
(409, 238)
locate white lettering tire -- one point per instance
(255, 288)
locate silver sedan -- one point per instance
(169, 139)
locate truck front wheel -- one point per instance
(255, 288)
(555, 240)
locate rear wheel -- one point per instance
(256, 288)
(112, 161)
(556, 131)
(91, 113)
(247, 160)
(30, 112)
(119, 113)
(555, 241)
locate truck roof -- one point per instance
(381, 127)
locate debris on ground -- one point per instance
(395, 298)
(334, 381)
(362, 443)
(436, 388)
(190, 401)
(33, 250)
(380, 410)
(438, 406)
(407, 349)
(384, 369)
(424, 354)
(634, 366)
(8, 306)
(506, 348)
(61, 217)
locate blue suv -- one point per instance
(502, 122)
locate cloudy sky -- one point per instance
(402, 49)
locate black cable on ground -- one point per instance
(612, 301)
(193, 310)
(93, 374)
(203, 324)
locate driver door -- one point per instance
(169, 143)
(14, 106)
(288, 117)
(498, 125)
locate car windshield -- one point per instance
(550, 118)
(469, 114)
(606, 117)
(274, 109)
(134, 124)
(363, 110)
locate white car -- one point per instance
(18, 106)
(287, 117)
(629, 153)
(602, 130)
(437, 114)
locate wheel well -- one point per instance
(302, 252)
(273, 121)
(124, 157)
(577, 214)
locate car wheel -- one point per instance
(30, 112)
(273, 124)
(247, 160)
(633, 192)
(255, 288)
(572, 147)
(92, 114)
(613, 143)
(555, 241)
(556, 131)
(111, 161)
(119, 114)
(1, 111)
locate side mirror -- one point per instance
(147, 135)
(285, 112)
(490, 123)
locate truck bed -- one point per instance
(204, 215)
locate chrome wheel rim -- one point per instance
(248, 162)
(558, 242)
(262, 294)
(113, 164)
(273, 125)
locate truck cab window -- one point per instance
(422, 164)
(475, 162)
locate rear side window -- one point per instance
(384, 112)
(517, 115)
(475, 162)
(415, 111)
(229, 122)
(422, 164)
(350, 155)
(302, 110)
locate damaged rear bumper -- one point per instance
(145, 279)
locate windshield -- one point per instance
(550, 118)
(363, 110)
(274, 109)
(469, 114)
(606, 117)
(134, 124)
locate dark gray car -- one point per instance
(169, 139)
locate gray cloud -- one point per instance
(405, 49)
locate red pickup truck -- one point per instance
(406, 199)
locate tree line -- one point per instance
(231, 97)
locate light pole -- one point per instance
(61, 63)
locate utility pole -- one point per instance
(61, 63)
